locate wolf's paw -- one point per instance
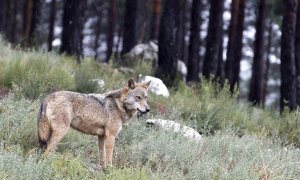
(96, 167)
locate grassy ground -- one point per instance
(239, 141)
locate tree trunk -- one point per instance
(155, 19)
(73, 22)
(213, 39)
(267, 67)
(167, 62)
(184, 46)
(194, 47)
(231, 46)
(97, 30)
(11, 29)
(297, 54)
(256, 83)
(142, 24)
(28, 9)
(220, 71)
(111, 29)
(239, 45)
(235, 42)
(287, 68)
(3, 17)
(31, 17)
(180, 33)
(6, 23)
(130, 26)
(51, 24)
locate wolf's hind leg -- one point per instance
(56, 137)
(101, 151)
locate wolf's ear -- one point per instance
(131, 84)
(146, 84)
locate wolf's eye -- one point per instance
(138, 97)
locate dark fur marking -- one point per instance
(41, 108)
(96, 99)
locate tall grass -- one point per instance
(239, 141)
(141, 152)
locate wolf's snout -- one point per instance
(145, 111)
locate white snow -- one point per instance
(157, 86)
(175, 127)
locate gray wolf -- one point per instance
(97, 114)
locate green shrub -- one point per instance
(18, 122)
(84, 76)
(141, 152)
(14, 166)
(239, 141)
(223, 155)
(33, 74)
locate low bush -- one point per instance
(141, 152)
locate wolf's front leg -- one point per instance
(101, 151)
(109, 147)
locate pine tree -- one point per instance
(258, 67)
(155, 19)
(130, 36)
(297, 54)
(111, 28)
(51, 24)
(194, 46)
(287, 68)
(235, 43)
(73, 21)
(167, 62)
(214, 38)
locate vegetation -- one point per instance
(239, 141)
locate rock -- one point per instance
(149, 51)
(126, 70)
(99, 82)
(175, 127)
(146, 51)
(157, 86)
(181, 67)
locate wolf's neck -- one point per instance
(114, 93)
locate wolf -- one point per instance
(101, 115)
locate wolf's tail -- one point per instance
(44, 130)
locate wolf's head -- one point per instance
(135, 99)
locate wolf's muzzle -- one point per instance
(144, 112)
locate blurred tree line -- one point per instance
(210, 36)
